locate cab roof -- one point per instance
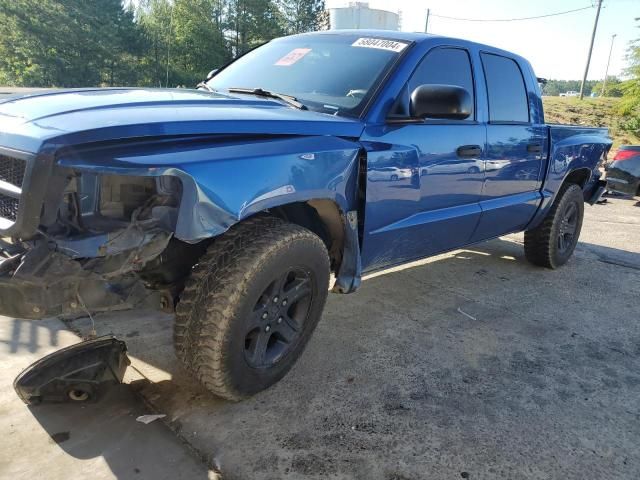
(415, 37)
(390, 34)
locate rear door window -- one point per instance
(506, 89)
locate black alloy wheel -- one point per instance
(568, 228)
(250, 305)
(278, 318)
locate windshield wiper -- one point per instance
(206, 86)
(288, 99)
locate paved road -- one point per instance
(472, 364)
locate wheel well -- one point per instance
(579, 177)
(323, 218)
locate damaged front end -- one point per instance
(79, 242)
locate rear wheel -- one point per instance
(250, 306)
(552, 242)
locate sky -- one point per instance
(556, 46)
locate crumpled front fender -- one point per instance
(224, 182)
(227, 180)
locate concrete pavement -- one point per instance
(97, 441)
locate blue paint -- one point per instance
(211, 172)
(237, 155)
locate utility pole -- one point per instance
(606, 72)
(426, 24)
(593, 37)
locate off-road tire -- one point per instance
(541, 244)
(222, 293)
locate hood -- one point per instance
(68, 117)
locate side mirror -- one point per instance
(440, 101)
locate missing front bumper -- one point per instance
(40, 283)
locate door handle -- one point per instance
(469, 151)
(534, 148)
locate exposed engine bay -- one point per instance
(104, 242)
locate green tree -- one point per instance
(200, 44)
(188, 38)
(67, 43)
(156, 20)
(556, 87)
(301, 16)
(630, 104)
(612, 88)
(251, 23)
(158, 43)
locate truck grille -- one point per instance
(9, 207)
(12, 171)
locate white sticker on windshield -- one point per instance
(380, 43)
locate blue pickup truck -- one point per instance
(231, 205)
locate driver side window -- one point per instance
(442, 65)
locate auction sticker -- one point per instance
(380, 44)
(292, 57)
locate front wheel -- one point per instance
(250, 306)
(552, 242)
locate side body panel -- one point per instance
(431, 209)
(448, 202)
(515, 159)
(524, 165)
(572, 149)
(437, 208)
(511, 192)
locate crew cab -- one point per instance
(334, 152)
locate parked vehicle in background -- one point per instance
(453, 166)
(390, 173)
(623, 173)
(339, 152)
(570, 93)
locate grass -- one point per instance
(593, 112)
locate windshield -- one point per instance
(330, 73)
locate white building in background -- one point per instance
(359, 15)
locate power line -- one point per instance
(511, 19)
